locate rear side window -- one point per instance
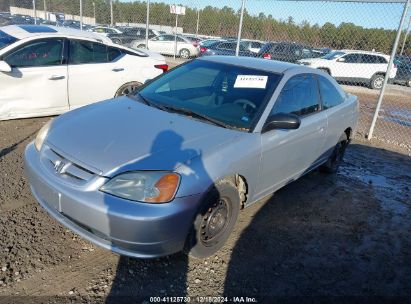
(352, 58)
(299, 96)
(82, 52)
(44, 52)
(113, 53)
(330, 96)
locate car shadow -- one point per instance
(136, 280)
(7, 150)
(324, 236)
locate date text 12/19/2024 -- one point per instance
(200, 299)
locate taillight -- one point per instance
(267, 56)
(203, 49)
(163, 67)
(195, 44)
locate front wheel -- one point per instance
(335, 160)
(215, 220)
(128, 88)
(184, 53)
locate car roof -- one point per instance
(362, 52)
(258, 63)
(28, 31)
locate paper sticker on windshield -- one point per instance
(251, 81)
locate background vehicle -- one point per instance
(286, 51)
(354, 66)
(130, 34)
(205, 141)
(252, 45)
(225, 48)
(105, 30)
(403, 75)
(54, 81)
(165, 44)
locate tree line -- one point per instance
(224, 22)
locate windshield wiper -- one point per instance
(196, 115)
(141, 98)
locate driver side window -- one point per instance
(299, 96)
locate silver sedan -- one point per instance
(169, 167)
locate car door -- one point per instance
(95, 72)
(287, 154)
(347, 66)
(37, 84)
(156, 44)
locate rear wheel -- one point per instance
(141, 46)
(127, 88)
(332, 164)
(116, 40)
(215, 220)
(377, 81)
(184, 53)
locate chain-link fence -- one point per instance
(351, 40)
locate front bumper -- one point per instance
(129, 228)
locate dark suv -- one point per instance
(287, 51)
(226, 48)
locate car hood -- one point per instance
(122, 135)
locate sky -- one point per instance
(370, 15)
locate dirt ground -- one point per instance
(321, 237)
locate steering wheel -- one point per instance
(245, 103)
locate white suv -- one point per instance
(354, 66)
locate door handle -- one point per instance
(56, 77)
(118, 69)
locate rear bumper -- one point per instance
(129, 228)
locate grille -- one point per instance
(65, 168)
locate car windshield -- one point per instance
(228, 95)
(6, 39)
(333, 55)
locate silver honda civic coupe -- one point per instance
(168, 167)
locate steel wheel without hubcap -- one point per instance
(127, 88)
(214, 222)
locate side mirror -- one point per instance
(5, 67)
(341, 60)
(282, 121)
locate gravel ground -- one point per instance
(324, 235)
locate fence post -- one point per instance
(34, 12)
(81, 15)
(237, 50)
(111, 13)
(147, 22)
(405, 38)
(198, 22)
(387, 74)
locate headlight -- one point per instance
(41, 135)
(144, 186)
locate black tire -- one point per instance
(336, 158)
(408, 83)
(377, 81)
(184, 53)
(141, 46)
(215, 220)
(127, 88)
(325, 70)
(116, 40)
